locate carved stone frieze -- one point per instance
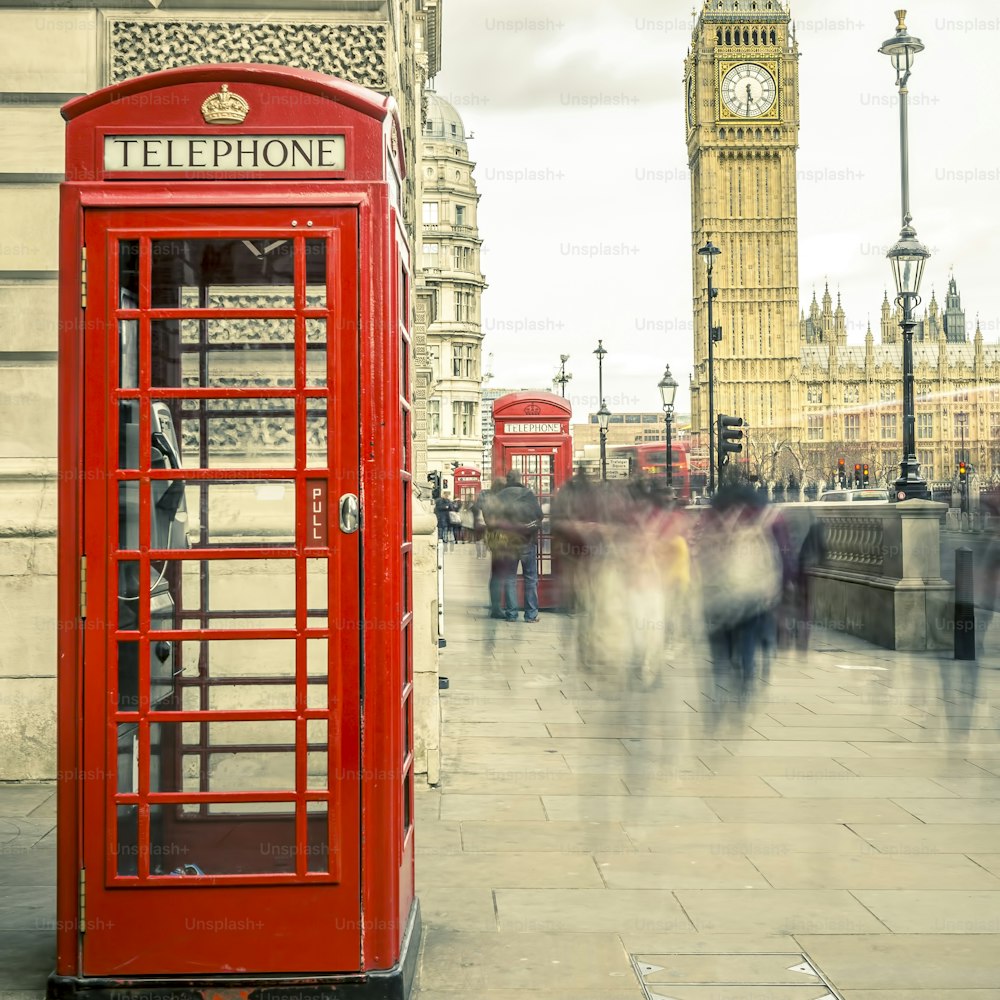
(354, 52)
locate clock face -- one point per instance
(748, 90)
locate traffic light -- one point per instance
(841, 472)
(864, 474)
(434, 478)
(857, 474)
(729, 437)
(963, 474)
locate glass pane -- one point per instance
(316, 434)
(317, 658)
(318, 833)
(316, 273)
(128, 353)
(128, 594)
(228, 839)
(238, 433)
(128, 274)
(252, 273)
(317, 773)
(128, 434)
(316, 352)
(229, 757)
(236, 674)
(234, 593)
(317, 594)
(128, 838)
(233, 352)
(199, 513)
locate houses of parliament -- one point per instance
(807, 395)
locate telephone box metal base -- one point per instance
(390, 984)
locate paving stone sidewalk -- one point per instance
(837, 834)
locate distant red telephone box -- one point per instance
(531, 436)
(235, 669)
(468, 483)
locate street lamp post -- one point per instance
(562, 378)
(603, 416)
(668, 390)
(710, 252)
(600, 352)
(907, 257)
(602, 422)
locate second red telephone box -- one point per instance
(531, 437)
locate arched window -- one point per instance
(746, 37)
(739, 133)
(773, 36)
(736, 37)
(718, 37)
(755, 34)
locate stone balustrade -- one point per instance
(881, 576)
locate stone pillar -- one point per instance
(426, 700)
(881, 577)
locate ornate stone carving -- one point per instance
(354, 52)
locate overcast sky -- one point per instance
(585, 210)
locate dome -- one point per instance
(443, 121)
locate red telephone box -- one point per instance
(468, 483)
(531, 436)
(235, 671)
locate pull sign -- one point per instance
(316, 491)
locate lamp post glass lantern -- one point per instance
(907, 258)
(603, 417)
(563, 377)
(710, 252)
(668, 392)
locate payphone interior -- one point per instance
(168, 521)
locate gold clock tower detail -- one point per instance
(742, 126)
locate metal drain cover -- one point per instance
(768, 976)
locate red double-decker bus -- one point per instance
(649, 459)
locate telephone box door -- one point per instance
(222, 648)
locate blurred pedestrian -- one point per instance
(741, 582)
(444, 507)
(517, 518)
(479, 526)
(496, 540)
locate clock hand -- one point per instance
(748, 98)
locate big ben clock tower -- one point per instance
(742, 124)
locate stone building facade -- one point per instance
(450, 291)
(47, 57)
(853, 394)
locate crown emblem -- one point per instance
(532, 410)
(224, 108)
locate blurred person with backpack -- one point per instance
(512, 522)
(741, 582)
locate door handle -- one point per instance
(350, 513)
